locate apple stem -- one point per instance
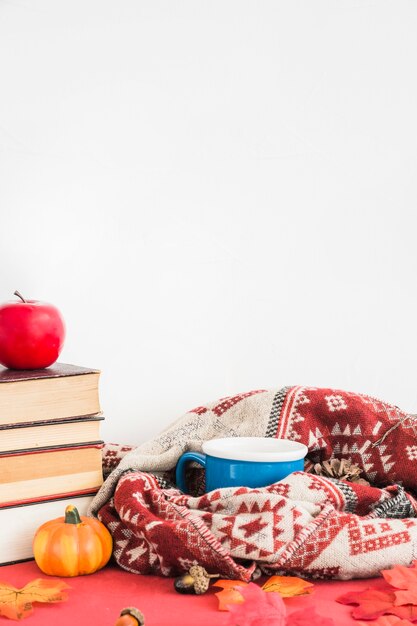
(19, 295)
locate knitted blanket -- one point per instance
(306, 525)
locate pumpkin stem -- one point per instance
(71, 515)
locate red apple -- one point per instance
(32, 334)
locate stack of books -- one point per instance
(50, 450)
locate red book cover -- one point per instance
(57, 370)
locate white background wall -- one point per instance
(218, 195)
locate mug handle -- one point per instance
(180, 469)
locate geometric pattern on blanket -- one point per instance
(306, 524)
(299, 526)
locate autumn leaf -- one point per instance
(406, 611)
(18, 603)
(308, 617)
(404, 579)
(229, 593)
(372, 603)
(288, 586)
(258, 609)
(400, 576)
(387, 620)
(408, 596)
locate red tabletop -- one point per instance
(96, 600)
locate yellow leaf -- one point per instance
(18, 603)
(288, 586)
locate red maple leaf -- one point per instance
(406, 611)
(309, 617)
(259, 609)
(372, 603)
(400, 576)
(404, 579)
(408, 596)
(387, 620)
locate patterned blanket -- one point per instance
(307, 524)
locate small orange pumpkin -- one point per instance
(72, 545)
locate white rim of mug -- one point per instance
(223, 449)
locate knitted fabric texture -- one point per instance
(305, 524)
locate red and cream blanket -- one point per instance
(306, 524)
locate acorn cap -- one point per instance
(134, 612)
(196, 580)
(201, 579)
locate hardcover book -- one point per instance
(50, 434)
(26, 475)
(57, 392)
(20, 522)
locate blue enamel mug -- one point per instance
(244, 461)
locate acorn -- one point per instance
(130, 616)
(195, 581)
